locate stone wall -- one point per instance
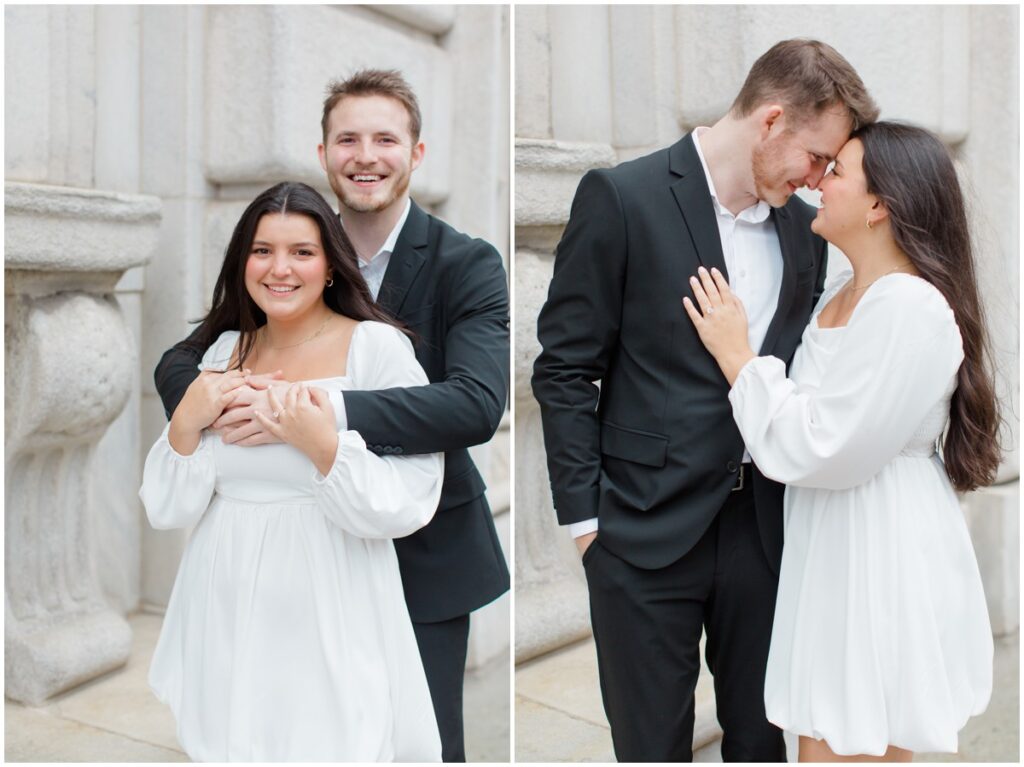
(134, 138)
(597, 85)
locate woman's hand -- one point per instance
(204, 401)
(305, 420)
(721, 322)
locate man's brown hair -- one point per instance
(374, 82)
(808, 77)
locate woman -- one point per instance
(881, 644)
(287, 637)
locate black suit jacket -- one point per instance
(654, 452)
(451, 290)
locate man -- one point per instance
(451, 290)
(679, 533)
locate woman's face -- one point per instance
(846, 204)
(286, 268)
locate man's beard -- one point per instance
(768, 179)
(372, 203)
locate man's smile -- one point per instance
(366, 179)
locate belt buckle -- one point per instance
(740, 479)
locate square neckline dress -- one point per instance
(287, 636)
(881, 632)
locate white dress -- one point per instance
(881, 632)
(287, 637)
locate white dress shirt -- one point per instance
(753, 260)
(373, 272)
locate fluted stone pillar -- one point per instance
(551, 595)
(69, 360)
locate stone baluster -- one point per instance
(69, 362)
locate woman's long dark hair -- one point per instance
(910, 170)
(233, 308)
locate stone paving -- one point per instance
(117, 719)
(559, 716)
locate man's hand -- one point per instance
(266, 380)
(238, 424)
(584, 542)
(305, 420)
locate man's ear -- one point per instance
(417, 154)
(321, 152)
(770, 117)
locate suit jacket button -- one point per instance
(732, 467)
(398, 451)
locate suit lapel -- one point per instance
(784, 224)
(406, 261)
(694, 200)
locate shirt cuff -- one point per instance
(587, 526)
(340, 414)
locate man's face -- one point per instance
(787, 159)
(369, 154)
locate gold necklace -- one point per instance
(319, 331)
(854, 289)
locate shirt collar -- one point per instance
(755, 214)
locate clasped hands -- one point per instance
(250, 410)
(721, 321)
(238, 423)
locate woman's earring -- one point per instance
(868, 222)
(330, 281)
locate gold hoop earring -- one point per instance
(868, 222)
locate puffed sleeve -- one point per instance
(895, 362)
(176, 489)
(380, 496)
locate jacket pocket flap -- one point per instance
(643, 447)
(461, 489)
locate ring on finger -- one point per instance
(711, 310)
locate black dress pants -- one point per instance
(443, 648)
(647, 628)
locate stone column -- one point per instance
(69, 363)
(989, 159)
(551, 596)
